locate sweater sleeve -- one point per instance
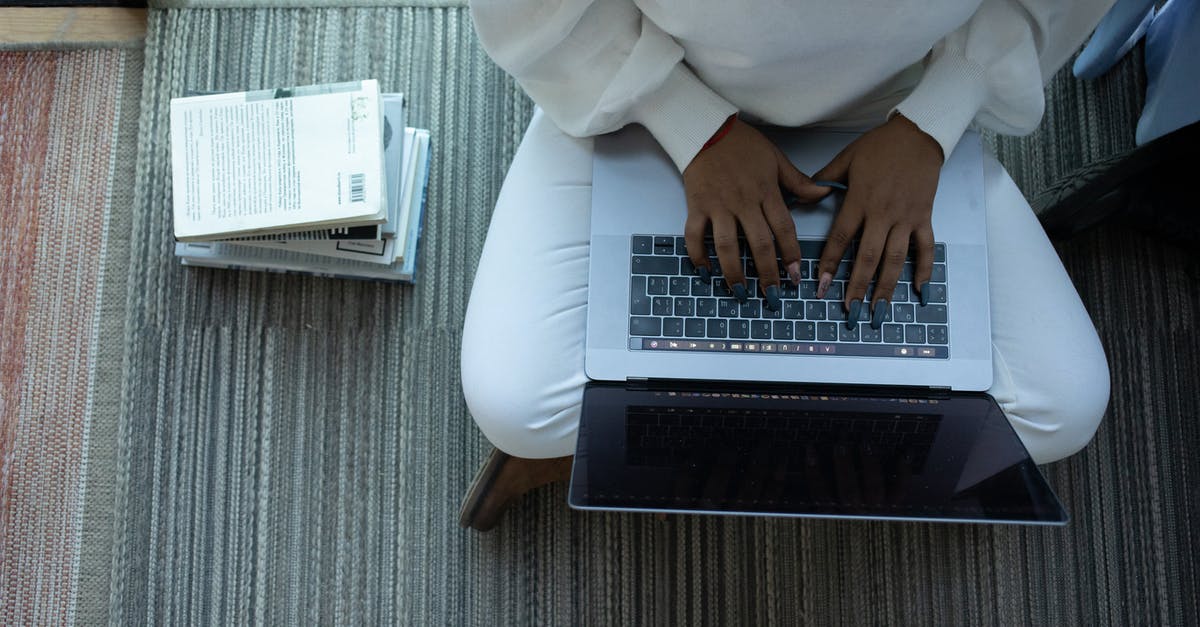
(596, 65)
(993, 68)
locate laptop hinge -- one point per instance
(643, 383)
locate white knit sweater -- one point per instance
(681, 67)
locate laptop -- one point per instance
(698, 403)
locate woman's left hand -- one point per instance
(892, 174)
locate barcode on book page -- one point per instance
(358, 188)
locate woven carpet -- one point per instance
(68, 124)
(292, 450)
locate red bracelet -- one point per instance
(721, 133)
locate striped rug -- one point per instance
(293, 450)
(67, 137)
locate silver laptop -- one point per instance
(700, 403)
(638, 194)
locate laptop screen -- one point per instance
(779, 452)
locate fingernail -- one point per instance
(823, 286)
(924, 293)
(852, 315)
(704, 273)
(833, 184)
(773, 298)
(739, 292)
(794, 272)
(881, 307)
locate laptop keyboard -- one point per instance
(671, 308)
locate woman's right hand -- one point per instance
(737, 181)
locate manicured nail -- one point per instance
(739, 292)
(793, 270)
(823, 286)
(833, 184)
(924, 293)
(704, 273)
(773, 298)
(881, 307)
(852, 316)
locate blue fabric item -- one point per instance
(1172, 70)
(1117, 32)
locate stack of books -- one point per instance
(321, 179)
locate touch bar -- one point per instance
(796, 348)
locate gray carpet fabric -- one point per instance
(293, 450)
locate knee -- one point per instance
(520, 411)
(1058, 415)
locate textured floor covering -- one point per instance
(68, 123)
(292, 450)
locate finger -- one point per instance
(870, 251)
(895, 252)
(762, 249)
(839, 168)
(725, 240)
(796, 182)
(845, 226)
(693, 235)
(780, 221)
(923, 264)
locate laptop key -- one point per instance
(903, 312)
(686, 267)
(718, 328)
(793, 309)
(937, 292)
(685, 307)
(639, 305)
(672, 327)
(827, 331)
(751, 308)
(728, 308)
(656, 285)
(760, 329)
(814, 310)
(645, 264)
(739, 329)
(835, 311)
(664, 245)
(939, 273)
(700, 287)
(846, 334)
(681, 247)
(806, 331)
(706, 307)
(694, 327)
(893, 333)
(937, 334)
(900, 294)
(641, 325)
(679, 286)
(643, 244)
(773, 314)
(867, 333)
(781, 330)
(939, 253)
(914, 333)
(721, 288)
(661, 306)
(932, 313)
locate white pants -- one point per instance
(523, 341)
